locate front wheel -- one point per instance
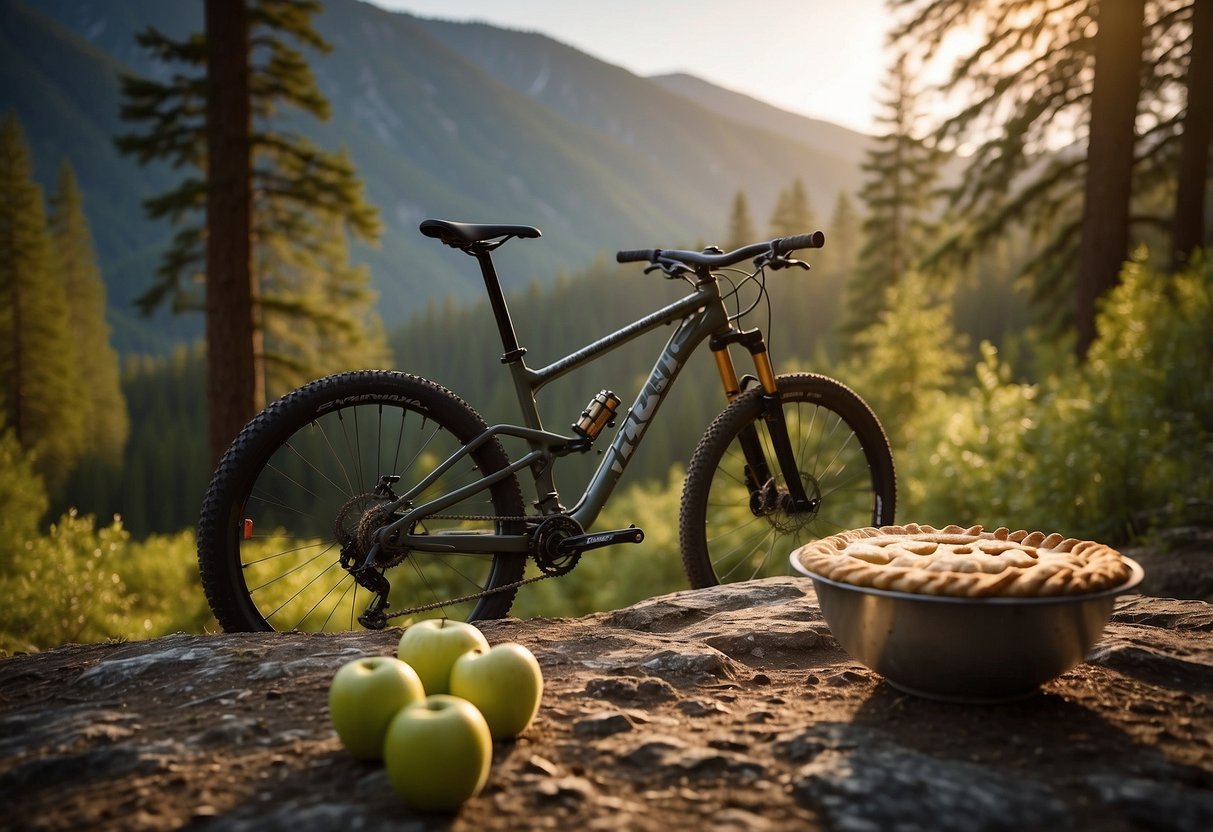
(735, 528)
(295, 500)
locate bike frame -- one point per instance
(700, 315)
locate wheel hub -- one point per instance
(778, 507)
(357, 526)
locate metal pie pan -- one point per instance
(965, 649)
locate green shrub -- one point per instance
(22, 496)
(1105, 449)
(161, 575)
(81, 583)
(64, 586)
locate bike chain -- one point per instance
(476, 595)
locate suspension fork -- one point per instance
(758, 469)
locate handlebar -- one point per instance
(778, 247)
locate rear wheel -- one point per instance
(732, 528)
(298, 486)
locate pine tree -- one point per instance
(908, 355)
(793, 212)
(844, 236)
(319, 311)
(101, 403)
(1104, 241)
(741, 227)
(1101, 79)
(1188, 227)
(41, 381)
(261, 184)
(900, 175)
(235, 382)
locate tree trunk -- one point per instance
(1188, 225)
(1105, 219)
(235, 389)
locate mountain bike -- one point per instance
(369, 496)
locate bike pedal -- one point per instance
(597, 540)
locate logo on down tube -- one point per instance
(646, 403)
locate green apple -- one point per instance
(364, 696)
(430, 647)
(437, 753)
(504, 682)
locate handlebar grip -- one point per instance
(787, 245)
(636, 255)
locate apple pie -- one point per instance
(965, 563)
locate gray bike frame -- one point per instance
(701, 315)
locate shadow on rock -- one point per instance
(1040, 762)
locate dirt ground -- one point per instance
(733, 710)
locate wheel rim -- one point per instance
(315, 494)
(749, 538)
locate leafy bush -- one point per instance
(161, 575)
(84, 583)
(64, 586)
(1105, 449)
(21, 494)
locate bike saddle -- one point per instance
(462, 234)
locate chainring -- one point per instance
(545, 545)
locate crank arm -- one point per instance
(597, 540)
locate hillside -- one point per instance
(458, 120)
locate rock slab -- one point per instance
(723, 709)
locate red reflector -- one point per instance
(248, 528)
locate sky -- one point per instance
(820, 58)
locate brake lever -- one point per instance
(673, 269)
(777, 263)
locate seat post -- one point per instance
(509, 340)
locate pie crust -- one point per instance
(965, 563)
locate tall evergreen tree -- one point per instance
(100, 399)
(41, 380)
(256, 182)
(793, 212)
(844, 235)
(1031, 86)
(235, 381)
(1111, 141)
(908, 355)
(900, 175)
(1188, 226)
(741, 226)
